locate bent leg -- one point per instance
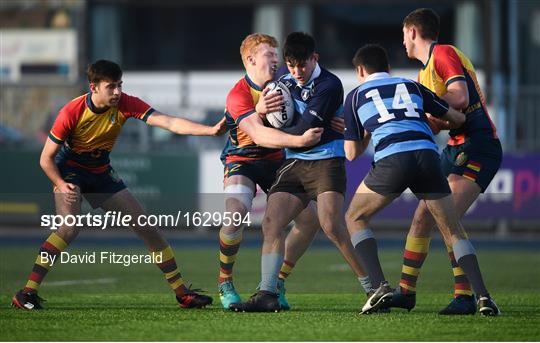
(364, 205)
(306, 226)
(331, 216)
(443, 211)
(464, 193)
(281, 209)
(56, 242)
(127, 204)
(239, 192)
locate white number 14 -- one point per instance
(402, 100)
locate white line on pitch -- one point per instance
(343, 267)
(82, 282)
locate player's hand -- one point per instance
(220, 128)
(68, 191)
(338, 124)
(269, 102)
(436, 124)
(312, 136)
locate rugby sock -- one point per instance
(286, 269)
(170, 270)
(229, 243)
(461, 283)
(365, 281)
(366, 247)
(270, 264)
(466, 257)
(416, 250)
(51, 248)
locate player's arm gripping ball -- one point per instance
(268, 102)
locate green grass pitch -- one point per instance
(112, 302)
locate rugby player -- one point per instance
(76, 159)
(314, 173)
(392, 110)
(470, 160)
(253, 153)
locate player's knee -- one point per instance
(334, 229)
(328, 223)
(236, 210)
(239, 198)
(354, 219)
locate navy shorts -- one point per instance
(95, 187)
(418, 170)
(478, 159)
(261, 172)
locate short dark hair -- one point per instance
(426, 21)
(372, 57)
(298, 47)
(103, 70)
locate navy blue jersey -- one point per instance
(316, 103)
(393, 110)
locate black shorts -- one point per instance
(261, 172)
(95, 187)
(418, 170)
(477, 160)
(307, 179)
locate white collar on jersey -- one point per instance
(377, 76)
(316, 73)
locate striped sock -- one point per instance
(53, 246)
(461, 283)
(416, 250)
(286, 269)
(229, 243)
(170, 269)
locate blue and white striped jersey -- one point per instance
(393, 110)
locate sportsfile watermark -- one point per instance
(114, 219)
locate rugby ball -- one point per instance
(284, 116)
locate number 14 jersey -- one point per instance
(393, 110)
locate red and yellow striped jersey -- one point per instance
(87, 136)
(447, 64)
(240, 104)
